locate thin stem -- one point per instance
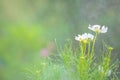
(94, 43)
(109, 54)
(88, 48)
(81, 48)
(84, 48)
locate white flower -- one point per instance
(98, 28)
(78, 38)
(90, 36)
(109, 72)
(83, 37)
(101, 70)
(104, 29)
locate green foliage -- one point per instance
(21, 39)
(77, 64)
(17, 44)
(81, 67)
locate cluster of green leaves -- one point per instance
(85, 67)
(70, 64)
(77, 63)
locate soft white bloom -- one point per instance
(100, 69)
(109, 72)
(78, 38)
(94, 27)
(85, 36)
(98, 28)
(104, 29)
(90, 36)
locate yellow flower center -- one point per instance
(85, 41)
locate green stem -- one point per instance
(94, 44)
(109, 54)
(81, 48)
(88, 48)
(84, 49)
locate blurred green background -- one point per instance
(28, 26)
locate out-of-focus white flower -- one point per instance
(84, 37)
(100, 69)
(78, 38)
(98, 28)
(90, 36)
(109, 72)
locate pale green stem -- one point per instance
(109, 55)
(81, 48)
(88, 48)
(94, 43)
(84, 48)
